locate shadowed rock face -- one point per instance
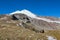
(14, 18)
(21, 17)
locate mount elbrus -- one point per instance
(31, 21)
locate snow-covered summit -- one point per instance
(32, 15)
(26, 12)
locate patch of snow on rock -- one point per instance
(51, 38)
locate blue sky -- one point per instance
(39, 7)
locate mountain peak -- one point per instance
(24, 11)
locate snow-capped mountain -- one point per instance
(26, 12)
(38, 22)
(32, 15)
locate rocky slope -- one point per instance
(24, 25)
